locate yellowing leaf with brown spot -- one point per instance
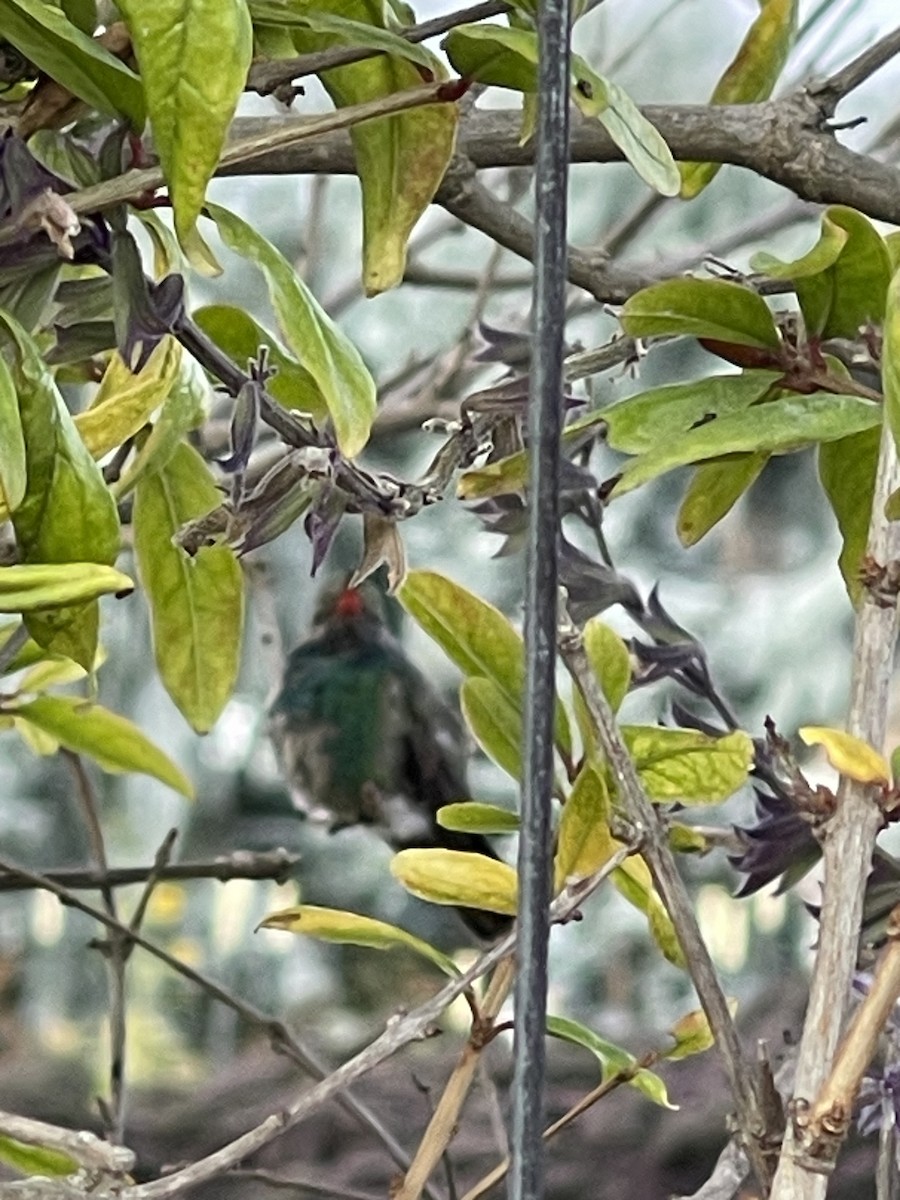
(849, 755)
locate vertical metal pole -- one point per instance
(526, 1179)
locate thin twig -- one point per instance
(114, 950)
(80, 1145)
(661, 861)
(11, 647)
(844, 81)
(282, 1040)
(242, 864)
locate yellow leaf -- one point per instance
(692, 1033)
(848, 754)
(457, 877)
(350, 928)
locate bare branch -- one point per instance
(242, 864)
(80, 1145)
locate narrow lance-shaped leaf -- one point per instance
(890, 358)
(13, 470)
(750, 76)
(400, 159)
(611, 663)
(112, 741)
(67, 513)
(197, 603)
(349, 928)
(24, 588)
(652, 418)
(194, 56)
(326, 353)
(472, 816)
(613, 1059)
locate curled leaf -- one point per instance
(849, 755)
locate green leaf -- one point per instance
(475, 635)
(351, 929)
(24, 588)
(35, 1160)
(640, 141)
(847, 472)
(692, 1034)
(713, 491)
(652, 418)
(457, 877)
(701, 308)
(197, 604)
(849, 755)
(819, 258)
(686, 766)
(235, 331)
(779, 427)
(400, 159)
(584, 842)
(470, 816)
(890, 359)
(750, 76)
(859, 277)
(112, 741)
(494, 55)
(184, 409)
(78, 62)
(13, 467)
(613, 1059)
(125, 401)
(609, 659)
(327, 354)
(344, 30)
(30, 653)
(194, 56)
(67, 513)
(495, 722)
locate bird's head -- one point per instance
(362, 607)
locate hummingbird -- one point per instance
(364, 739)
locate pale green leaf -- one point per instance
(327, 354)
(196, 604)
(125, 401)
(27, 587)
(712, 493)
(474, 634)
(686, 766)
(614, 1061)
(584, 842)
(778, 427)
(349, 928)
(115, 743)
(471, 816)
(495, 722)
(13, 469)
(847, 473)
(194, 56)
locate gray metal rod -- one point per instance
(545, 409)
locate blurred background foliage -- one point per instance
(762, 593)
